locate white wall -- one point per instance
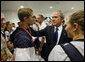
(11, 16)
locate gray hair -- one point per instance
(61, 14)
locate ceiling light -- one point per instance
(51, 7)
(21, 6)
(72, 8)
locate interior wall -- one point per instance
(11, 16)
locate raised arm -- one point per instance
(39, 33)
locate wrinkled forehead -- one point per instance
(2, 15)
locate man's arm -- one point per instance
(39, 33)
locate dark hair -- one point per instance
(13, 23)
(78, 17)
(7, 23)
(24, 12)
(34, 17)
(41, 16)
(18, 23)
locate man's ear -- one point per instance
(25, 18)
(75, 27)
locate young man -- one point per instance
(21, 37)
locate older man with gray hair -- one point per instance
(55, 34)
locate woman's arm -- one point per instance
(10, 55)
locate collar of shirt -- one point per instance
(59, 32)
(59, 28)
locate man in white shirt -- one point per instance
(42, 26)
(42, 23)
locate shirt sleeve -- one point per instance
(42, 32)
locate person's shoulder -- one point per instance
(77, 43)
(63, 29)
(57, 50)
(63, 26)
(18, 31)
(48, 28)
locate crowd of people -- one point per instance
(58, 41)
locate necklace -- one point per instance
(26, 30)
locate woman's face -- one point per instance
(69, 29)
(10, 25)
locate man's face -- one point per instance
(10, 25)
(3, 22)
(56, 19)
(30, 20)
(39, 19)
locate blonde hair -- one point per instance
(78, 17)
(24, 12)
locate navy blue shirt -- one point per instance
(21, 39)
